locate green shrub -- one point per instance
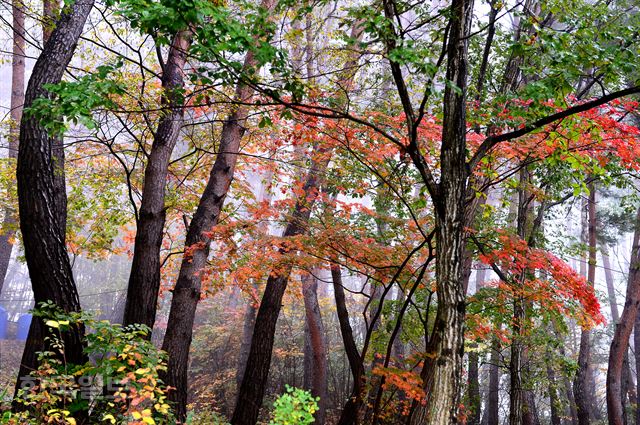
(295, 407)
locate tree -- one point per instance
(186, 293)
(42, 200)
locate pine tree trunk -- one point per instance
(42, 201)
(620, 342)
(144, 280)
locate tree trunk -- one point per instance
(315, 356)
(144, 280)
(50, 10)
(351, 409)
(187, 291)
(257, 370)
(636, 344)
(620, 342)
(443, 381)
(492, 412)
(473, 385)
(247, 330)
(42, 201)
(582, 387)
(628, 386)
(554, 400)
(8, 229)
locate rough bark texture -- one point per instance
(17, 100)
(144, 280)
(42, 201)
(443, 381)
(316, 355)
(582, 388)
(620, 342)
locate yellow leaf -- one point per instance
(136, 415)
(52, 324)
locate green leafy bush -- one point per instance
(295, 407)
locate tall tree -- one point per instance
(620, 341)
(316, 350)
(186, 292)
(582, 388)
(144, 280)
(42, 202)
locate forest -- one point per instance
(320, 212)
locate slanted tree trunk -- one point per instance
(7, 232)
(628, 386)
(620, 341)
(582, 388)
(42, 202)
(315, 355)
(186, 293)
(351, 409)
(144, 280)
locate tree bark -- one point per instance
(473, 385)
(315, 356)
(351, 409)
(628, 386)
(42, 202)
(144, 280)
(492, 412)
(245, 345)
(620, 342)
(443, 381)
(582, 388)
(50, 10)
(17, 100)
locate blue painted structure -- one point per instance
(23, 327)
(4, 317)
